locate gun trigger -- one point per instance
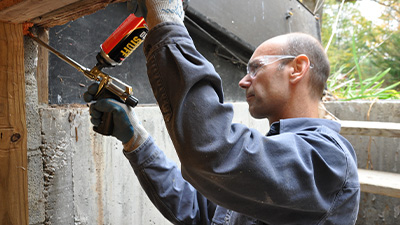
(102, 84)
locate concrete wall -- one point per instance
(255, 21)
(375, 153)
(87, 180)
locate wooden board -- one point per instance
(368, 128)
(71, 12)
(13, 134)
(381, 183)
(49, 13)
(7, 3)
(43, 68)
(28, 9)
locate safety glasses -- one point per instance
(256, 64)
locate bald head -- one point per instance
(299, 43)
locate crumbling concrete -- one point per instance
(88, 180)
(36, 199)
(57, 167)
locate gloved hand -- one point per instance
(127, 127)
(158, 11)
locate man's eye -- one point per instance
(254, 67)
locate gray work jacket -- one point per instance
(302, 172)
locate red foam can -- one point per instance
(124, 40)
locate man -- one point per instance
(302, 172)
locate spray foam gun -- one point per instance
(118, 46)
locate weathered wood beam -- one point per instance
(369, 128)
(378, 182)
(71, 12)
(13, 134)
(25, 10)
(7, 3)
(49, 13)
(42, 74)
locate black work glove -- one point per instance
(126, 125)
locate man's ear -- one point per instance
(301, 64)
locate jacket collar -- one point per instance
(294, 125)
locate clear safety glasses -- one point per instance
(256, 64)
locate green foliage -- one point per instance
(388, 56)
(351, 88)
(370, 88)
(376, 73)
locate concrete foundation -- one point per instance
(87, 179)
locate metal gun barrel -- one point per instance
(60, 55)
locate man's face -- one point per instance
(267, 85)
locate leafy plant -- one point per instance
(353, 86)
(349, 35)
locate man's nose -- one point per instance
(245, 82)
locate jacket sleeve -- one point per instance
(163, 183)
(230, 164)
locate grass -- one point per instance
(352, 86)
